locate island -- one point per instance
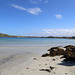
(7, 35)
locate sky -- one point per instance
(37, 17)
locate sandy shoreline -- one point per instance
(15, 59)
(34, 65)
(45, 63)
(12, 64)
(18, 61)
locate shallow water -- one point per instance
(32, 45)
(22, 42)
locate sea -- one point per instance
(23, 42)
(31, 45)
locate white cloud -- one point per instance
(58, 32)
(38, 1)
(53, 32)
(58, 16)
(18, 7)
(34, 11)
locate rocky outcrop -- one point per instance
(70, 48)
(68, 52)
(56, 51)
(45, 55)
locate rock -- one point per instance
(65, 73)
(56, 51)
(70, 59)
(51, 67)
(27, 68)
(34, 58)
(45, 55)
(45, 64)
(68, 52)
(45, 70)
(70, 48)
(53, 48)
(53, 59)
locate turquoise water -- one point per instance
(35, 42)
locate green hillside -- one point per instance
(6, 35)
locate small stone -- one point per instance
(27, 68)
(53, 59)
(51, 67)
(34, 58)
(45, 64)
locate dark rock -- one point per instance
(34, 58)
(70, 48)
(45, 64)
(70, 59)
(68, 53)
(65, 73)
(27, 68)
(56, 51)
(45, 55)
(51, 67)
(53, 48)
(45, 70)
(53, 59)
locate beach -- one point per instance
(27, 63)
(15, 59)
(42, 65)
(31, 64)
(23, 59)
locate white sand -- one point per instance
(23, 63)
(13, 64)
(45, 62)
(15, 59)
(33, 68)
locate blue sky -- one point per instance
(37, 17)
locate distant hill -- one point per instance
(6, 35)
(73, 37)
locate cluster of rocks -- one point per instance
(68, 52)
(48, 70)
